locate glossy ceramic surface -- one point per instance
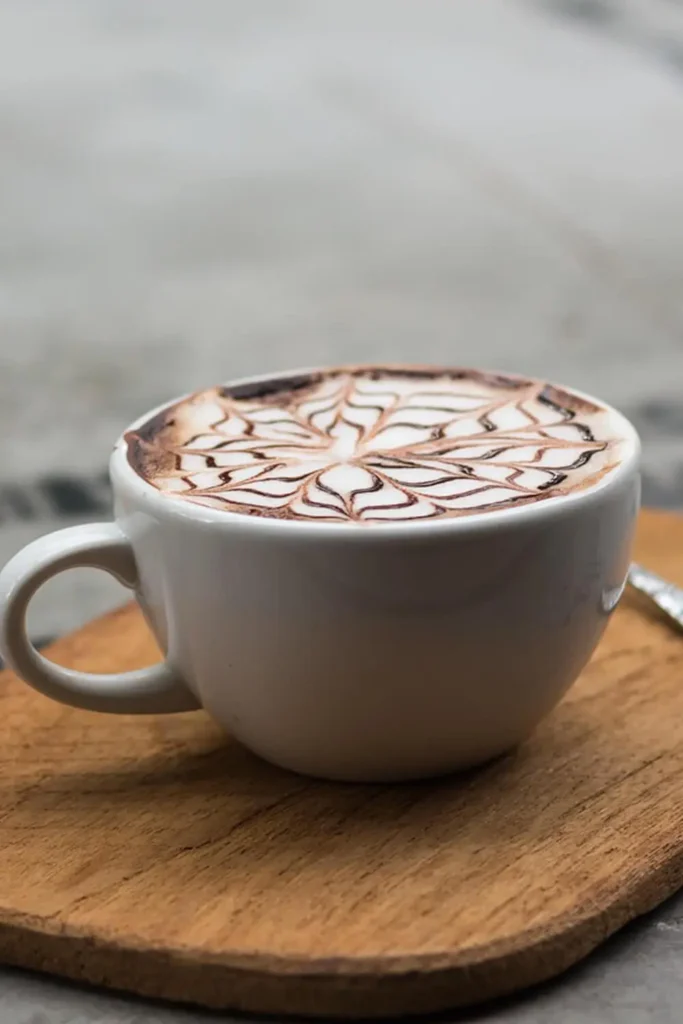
(390, 652)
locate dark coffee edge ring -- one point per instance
(297, 380)
(275, 384)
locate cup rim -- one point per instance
(123, 476)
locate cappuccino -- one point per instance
(376, 445)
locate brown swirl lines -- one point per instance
(370, 447)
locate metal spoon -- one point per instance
(665, 595)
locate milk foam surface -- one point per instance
(373, 445)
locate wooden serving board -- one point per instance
(157, 856)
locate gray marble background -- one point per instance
(195, 191)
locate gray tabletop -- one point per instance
(191, 192)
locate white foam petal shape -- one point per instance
(400, 436)
(204, 442)
(485, 498)
(516, 453)
(191, 463)
(453, 403)
(253, 496)
(561, 458)
(509, 417)
(465, 426)
(420, 509)
(347, 478)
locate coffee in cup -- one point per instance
(368, 445)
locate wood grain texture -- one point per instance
(157, 856)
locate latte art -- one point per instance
(375, 445)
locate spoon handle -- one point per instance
(664, 594)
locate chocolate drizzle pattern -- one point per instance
(374, 445)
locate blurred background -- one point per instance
(190, 192)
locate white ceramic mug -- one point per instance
(389, 652)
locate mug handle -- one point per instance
(150, 690)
